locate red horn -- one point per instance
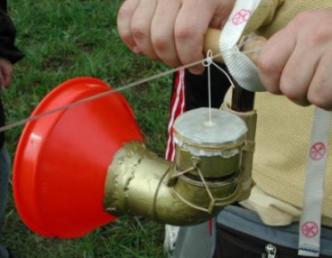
(62, 158)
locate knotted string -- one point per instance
(131, 85)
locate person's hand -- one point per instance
(297, 61)
(171, 30)
(6, 70)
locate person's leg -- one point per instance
(4, 182)
(196, 241)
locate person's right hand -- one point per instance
(171, 30)
(297, 60)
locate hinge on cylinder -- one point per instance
(270, 251)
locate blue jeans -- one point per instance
(4, 182)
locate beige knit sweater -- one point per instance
(282, 144)
(283, 133)
(272, 15)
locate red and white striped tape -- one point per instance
(310, 223)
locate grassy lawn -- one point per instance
(61, 40)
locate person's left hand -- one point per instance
(297, 61)
(6, 71)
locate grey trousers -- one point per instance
(4, 183)
(196, 241)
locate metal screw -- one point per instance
(271, 250)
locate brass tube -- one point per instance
(250, 118)
(141, 183)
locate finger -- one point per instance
(216, 22)
(221, 15)
(124, 23)
(162, 31)
(6, 81)
(190, 31)
(7, 75)
(141, 27)
(299, 71)
(320, 89)
(274, 57)
(2, 83)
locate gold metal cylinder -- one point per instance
(137, 184)
(188, 192)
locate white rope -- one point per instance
(100, 95)
(109, 92)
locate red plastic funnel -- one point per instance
(62, 159)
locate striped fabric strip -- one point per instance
(177, 107)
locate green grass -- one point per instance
(61, 40)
